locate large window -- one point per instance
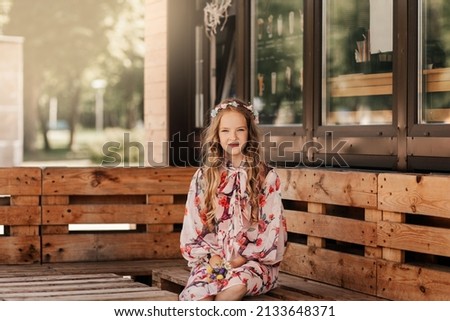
(278, 61)
(363, 82)
(434, 63)
(357, 62)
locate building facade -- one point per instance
(338, 83)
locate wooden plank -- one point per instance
(109, 214)
(20, 215)
(423, 239)
(110, 246)
(371, 215)
(415, 194)
(20, 181)
(24, 230)
(148, 295)
(31, 283)
(78, 287)
(412, 283)
(55, 200)
(345, 270)
(20, 200)
(54, 229)
(116, 181)
(351, 231)
(356, 189)
(19, 249)
(160, 199)
(318, 209)
(127, 268)
(320, 291)
(387, 253)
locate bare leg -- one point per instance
(208, 298)
(234, 293)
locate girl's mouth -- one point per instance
(233, 145)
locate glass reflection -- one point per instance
(357, 62)
(278, 61)
(434, 80)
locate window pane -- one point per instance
(357, 62)
(434, 83)
(278, 61)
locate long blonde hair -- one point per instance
(213, 159)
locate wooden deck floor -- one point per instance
(79, 282)
(151, 280)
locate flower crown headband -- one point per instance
(235, 104)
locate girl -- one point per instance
(234, 233)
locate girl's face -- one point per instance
(233, 135)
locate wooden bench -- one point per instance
(353, 235)
(41, 285)
(290, 288)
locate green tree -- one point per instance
(68, 43)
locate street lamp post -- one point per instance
(99, 85)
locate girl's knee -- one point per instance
(234, 293)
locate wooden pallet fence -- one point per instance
(331, 214)
(20, 215)
(415, 236)
(151, 199)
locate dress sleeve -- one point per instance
(270, 236)
(196, 241)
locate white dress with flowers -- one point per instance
(261, 243)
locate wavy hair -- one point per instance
(213, 158)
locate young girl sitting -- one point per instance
(234, 233)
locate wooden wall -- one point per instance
(20, 215)
(384, 234)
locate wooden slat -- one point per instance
(388, 253)
(127, 268)
(24, 230)
(412, 283)
(352, 231)
(78, 287)
(330, 187)
(423, 239)
(109, 214)
(19, 249)
(116, 181)
(20, 215)
(415, 194)
(20, 200)
(320, 291)
(20, 181)
(110, 246)
(340, 269)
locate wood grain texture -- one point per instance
(119, 181)
(415, 194)
(411, 283)
(340, 269)
(355, 189)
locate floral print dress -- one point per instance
(261, 243)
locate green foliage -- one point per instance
(68, 44)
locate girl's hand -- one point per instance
(215, 260)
